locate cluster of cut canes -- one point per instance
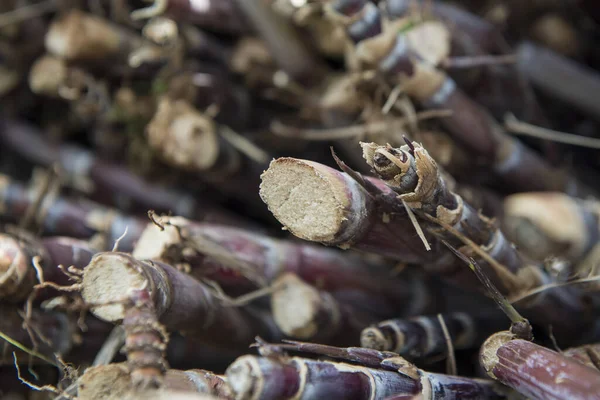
(168, 145)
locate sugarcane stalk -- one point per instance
(18, 273)
(186, 138)
(221, 16)
(537, 372)
(113, 381)
(191, 141)
(361, 19)
(65, 251)
(576, 90)
(378, 375)
(317, 203)
(556, 33)
(303, 312)
(418, 338)
(588, 354)
(543, 224)
(181, 303)
(51, 76)
(410, 57)
(341, 209)
(107, 182)
(79, 37)
(412, 173)
(285, 44)
(65, 216)
(468, 30)
(238, 259)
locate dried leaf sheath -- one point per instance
(182, 303)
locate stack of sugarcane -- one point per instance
(166, 164)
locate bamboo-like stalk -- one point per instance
(237, 259)
(182, 303)
(518, 167)
(65, 216)
(421, 337)
(113, 381)
(379, 375)
(254, 377)
(498, 87)
(107, 182)
(537, 372)
(543, 224)
(303, 312)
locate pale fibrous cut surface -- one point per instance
(302, 199)
(182, 136)
(295, 308)
(109, 279)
